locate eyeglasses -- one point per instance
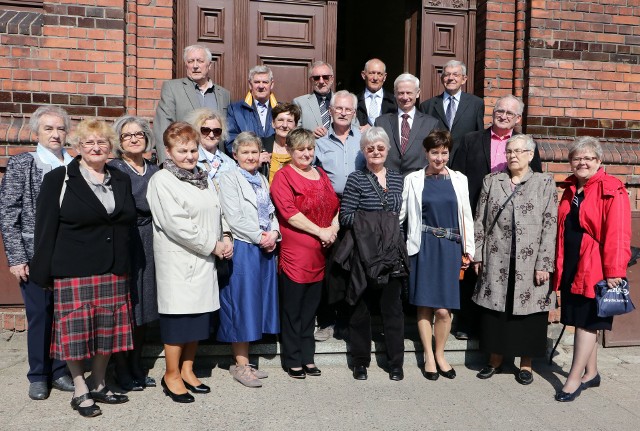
(517, 151)
(217, 131)
(340, 109)
(128, 136)
(500, 112)
(325, 77)
(583, 159)
(91, 144)
(379, 148)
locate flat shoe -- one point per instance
(565, 397)
(258, 373)
(64, 383)
(449, 374)
(145, 382)
(296, 374)
(127, 384)
(312, 371)
(360, 372)
(430, 375)
(524, 377)
(593, 383)
(244, 375)
(396, 374)
(102, 397)
(200, 389)
(488, 372)
(87, 412)
(177, 398)
(38, 391)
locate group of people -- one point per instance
(276, 215)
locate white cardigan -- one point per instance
(412, 209)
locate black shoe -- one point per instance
(524, 377)
(430, 375)
(178, 398)
(449, 374)
(64, 383)
(360, 372)
(127, 384)
(101, 396)
(313, 371)
(200, 389)
(564, 397)
(461, 335)
(38, 391)
(396, 374)
(296, 374)
(488, 372)
(593, 383)
(147, 382)
(87, 412)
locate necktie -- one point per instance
(262, 112)
(404, 133)
(451, 111)
(324, 113)
(374, 109)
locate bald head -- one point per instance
(374, 74)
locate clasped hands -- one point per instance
(268, 241)
(328, 235)
(224, 248)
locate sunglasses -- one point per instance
(325, 77)
(206, 130)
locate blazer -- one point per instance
(239, 204)
(243, 117)
(79, 238)
(412, 210)
(177, 99)
(187, 224)
(414, 157)
(473, 159)
(388, 106)
(530, 217)
(311, 117)
(469, 115)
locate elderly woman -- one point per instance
(135, 139)
(435, 202)
(188, 231)
(249, 304)
(594, 235)
(213, 131)
(18, 193)
(515, 224)
(84, 218)
(370, 205)
(307, 209)
(285, 119)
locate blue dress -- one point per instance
(435, 269)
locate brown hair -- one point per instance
(437, 139)
(179, 132)
(281, 108)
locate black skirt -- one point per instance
(184, 328)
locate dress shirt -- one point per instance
(337, 159)
(498, 146)
(368, 96)
(446, 99)
(262, 109)
(208, 96)
(412, 115)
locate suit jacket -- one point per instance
(414, 157)
(177, 99)
(311, 117)
(469, 115)
(79, 238)
(243, 117)
(473, 159)
(388, 106)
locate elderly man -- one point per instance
(18, 193)
(407, 127)
(253, 114)
(374, 100)
(181, 96)
(479, 154)
(457, 111)
(315, 106)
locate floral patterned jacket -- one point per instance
(530, 216)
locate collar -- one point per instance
(209, 85)
(272, 100)
(207, 155)
(411, 113)
(378, 93)
(47, 157)
(447, 96)
(320, 96)
(332, 132)
(500, 138)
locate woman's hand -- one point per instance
(268, 241)
(21, 271)
(227, 252)
(327, 235)
(265, 157)
(218, 250)
(467, 261)
(613, 282)
(541, 277)
(477, 266)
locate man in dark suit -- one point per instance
(181, 96)
(459, 112)
(374, 100)
(479, 154)
(407, 127)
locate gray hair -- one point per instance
(318, 64)
(406, 77)
(260, 70)
(34, 122)
(455, 63)
(344, 93)
(368, 63)
(511, 97)
(586, 143)
(191, 48)
(199, 116)
(373, 135)
(527, 140)
(246, 138)
(119, 124)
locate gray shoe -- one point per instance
(63, 383)
(38, 391)
(323, 334)
(244, 375)
(258, 373)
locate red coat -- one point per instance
(605, 215)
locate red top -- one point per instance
(605, 216)
(302, 257)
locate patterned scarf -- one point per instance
(197, 178)
(265, 207)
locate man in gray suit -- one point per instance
(181, 96)
(315, 106)
(407, 127)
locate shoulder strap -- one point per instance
(376, 187)
(502, 207)
(64, 185)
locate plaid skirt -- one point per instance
(91, 316)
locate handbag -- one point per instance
(614, 301)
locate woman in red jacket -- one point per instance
(594, 235)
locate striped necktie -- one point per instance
(451, 111)
(324, 113)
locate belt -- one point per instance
(452, 234)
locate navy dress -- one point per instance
(435, 270)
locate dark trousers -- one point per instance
(388, 297)
(38, 303)
(468, 317)
(298, 305)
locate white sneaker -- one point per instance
(323, 334)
